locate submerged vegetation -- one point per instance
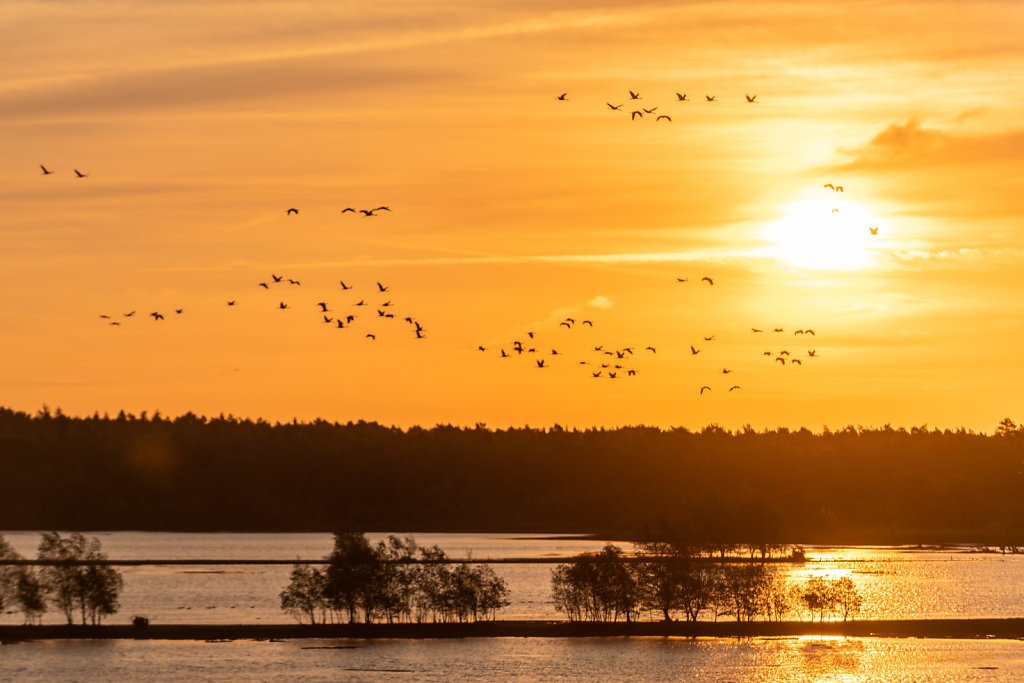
(847, 486)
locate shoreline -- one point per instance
(909, 628)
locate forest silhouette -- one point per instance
(191, 473)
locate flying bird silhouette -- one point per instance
(231, 303)
(157, 316)
(80, 174)
(277, 278)
(348, 209)
(681, 97)
(711, 338)
(128, 315)
(796, 361)
(663, 116)
(292, 211)
(726, 371)
(650, 111)
(282, 305)
(343, 285)
(682, 279)
(264, 285)
(754, 329)
(707, 280)
(874, 231)
(381, 287)
(634, 95)
(837, 188)
(711, 98)
(614, 106)
(587, 322)
(781, 360)
(46, 171)
(179, 311)
(812, 353)
(693, 351)
(651, 349)
(703, 388)
(635, 114)
(540, 363)
(322, 305)
(562, 96)
(370, 335)
(735, 386)
(104, 316)
(751, 99)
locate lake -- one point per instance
(896, 583)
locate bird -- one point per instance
(231, 303)
(419, 334)
(874, 231)
(634, 95)
(812, 353)
(735, 386)
(837, 188)
(614, 106)
(631, 373)
(587, 322)
(596, 374)
(291, 211)
(322, 305)
(277, 278)
(767, 353)
(530, 335)
(282, 305)
(179, 311)
(554, 352)
(663, 116)
(128, 315)
(681, 97)
(46, 171)
(612, 375)
(504, 354)
(682, 279)
(650, 111)
(778, 329)
(783, 353)
(114, 322)
(293, 282)
(381, 287)
(366, 212)
(651, 349)
(370, 335)
(264, 285)
(380, 313)
(381, 208)
(750, 99)
(708, 280)
(340, 323)
(540, 363)
(835, 210)
(711, 98)
(344, 286)
(799, 332)
(711, 338)
(693, 351)
(104, 316)
(349, 318)
(567, 325)
(781, 360)
(359, 303)
(562, 97)
(796, 361)
(754, 329)
(703, 388)
(157, 316)
(811, 332)
(726, 371)
(328, 319)
(80, 174)
(348, 209)
(635, 114)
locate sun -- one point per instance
(832, 234)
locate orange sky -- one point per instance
(199, 126)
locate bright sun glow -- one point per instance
(832, 234)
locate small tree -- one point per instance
(304, 597)
(80, 578)
(847, 599)
(8, 574)
(30, 596)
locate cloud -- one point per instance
(602, 302)
(912, 145)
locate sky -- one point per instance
(199, 124)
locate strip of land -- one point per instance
(909, 628)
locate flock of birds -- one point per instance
(375, 307)
(640, 111)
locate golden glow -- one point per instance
(823, 234)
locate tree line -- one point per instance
(392, 581)
(192, 473)
(79, 582)
(665, 582)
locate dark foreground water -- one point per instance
(525, 659)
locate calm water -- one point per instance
(528, 659)
(895, 583)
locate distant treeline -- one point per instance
(192, 473)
